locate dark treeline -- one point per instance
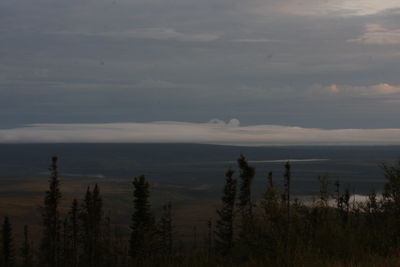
(275, 229)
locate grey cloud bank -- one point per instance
(213, 132)
(312, 63)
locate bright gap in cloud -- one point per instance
(329, 7)
(381, 89)
(368, 7)
(376, 34)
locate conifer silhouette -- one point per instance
(50, 245)
(270, 200)
(86, 234)
(26, 249)
(287, 180)
(225, 224)
(7, 244)
(97, 225)
(246, 175)
(142, 223)
(73, 225)
(281, 233)
(91, 217)
(245, 203)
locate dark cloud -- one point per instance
(260, 61)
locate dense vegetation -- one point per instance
(276, 230)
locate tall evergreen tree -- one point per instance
(225, 224)
(109, 257)
(50, 245)
(372, 205)
(247, 174)
(391, 200)
(270, 200)
(346, 205)
(73, 230)
(26, 249)
(7, 244)
(391, 192)
(245, 203)
(97, 225)
(65, 256)
(323, 190)
(287, 180)
(142, 224)
(91, 217)
(271, 230)
(86, 231)
(339, 202)
(286, 200)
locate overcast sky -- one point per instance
(330, 64)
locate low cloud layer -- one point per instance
(150, 33)
(213, 132)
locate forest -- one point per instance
(277, 229)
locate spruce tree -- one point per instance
(271, 230)
(26, 249)
(50, 245)
(391, 192)
(86, 232)
(142, 224)
(338, 196)
(391, 201)
(247, 175)
(225, 224)
(7, 244)
(346, 205)
(287, 180)
(372, 205)
(270, 200)
(245, 204)
(65, 256)
(91, 217)
(323, 190)
(73, 230)
(286, 200)
(97, 225)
